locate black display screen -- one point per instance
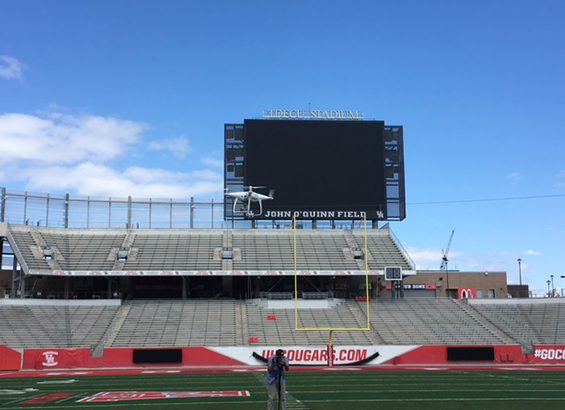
(327, 168)
(141, 356)
(470, 354)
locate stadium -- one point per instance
(299, 255)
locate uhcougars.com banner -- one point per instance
(302, 355)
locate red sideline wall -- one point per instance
(42, 359)
(437, 355)
(45, 359)
(548, 354)
(9, 359)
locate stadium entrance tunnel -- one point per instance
(271, 286)
(159, 287)
(175, 286)
(156, 288)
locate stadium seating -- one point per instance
(175, 250)
(274, 250)
(429, 322)
(200, 249)
(85, 251)
(383, 249)
(43, 326)
(26, 244)
(158, 323)
(315, 250)
(228, 322)
(282, 330)
(528, 321)
(71, 249)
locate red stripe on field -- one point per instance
(48, 399)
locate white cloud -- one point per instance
(179, 147)
(532, 252)
(59, 153)
(425, 258)
(207, 174)
(65, 139)
(430, 259)
(514, 177)
(89, 179)
(213, 162)
(560, 179)
(11, 68)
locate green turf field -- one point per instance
(327, 390)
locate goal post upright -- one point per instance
(295, 275)
(367, 295)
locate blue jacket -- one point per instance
(274, 375)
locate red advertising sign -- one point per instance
(10, 359)
(467, 293)
(547, 354)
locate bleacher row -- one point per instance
(194, 249)
(54, 326)
(223, 322)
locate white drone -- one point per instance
(246, 197)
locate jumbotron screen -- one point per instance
(317, 169)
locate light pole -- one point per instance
(562, 277)
(520, 270)
(548, 292)
(552, 286)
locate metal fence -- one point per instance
(75, 212)
(64, 211)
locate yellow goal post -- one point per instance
(331, 329)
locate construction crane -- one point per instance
(444, 259)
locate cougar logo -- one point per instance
(49, 359)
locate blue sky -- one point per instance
(118, 98)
